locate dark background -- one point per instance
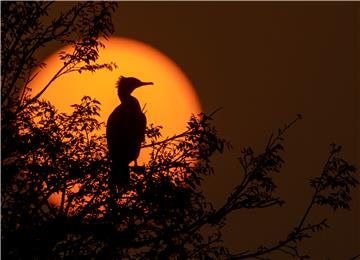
(264, 63)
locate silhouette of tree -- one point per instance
(164, 214)
(26, 28)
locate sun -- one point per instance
(169, 102)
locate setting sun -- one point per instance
(169, 102)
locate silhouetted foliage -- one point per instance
(163, 213)
(26, 27)
(56, 201)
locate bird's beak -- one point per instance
(146, 83)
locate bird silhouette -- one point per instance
(125, 132)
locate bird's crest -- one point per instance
(119, 80)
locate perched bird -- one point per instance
(125, 132)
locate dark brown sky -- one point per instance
(264, 63)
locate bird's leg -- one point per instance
(138, 169)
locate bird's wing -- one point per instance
(125, 132)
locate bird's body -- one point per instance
(125, 132)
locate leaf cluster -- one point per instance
(58, 154)
(333, 186)
(163, 213)
(27, 27)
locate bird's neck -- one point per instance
(130, 102)
(126, 98)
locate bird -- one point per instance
(125, 132)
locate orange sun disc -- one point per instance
(169, 102)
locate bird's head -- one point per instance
(126, 85)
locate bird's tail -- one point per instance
(120, 176)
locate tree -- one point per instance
(164, 214)
(26, 28)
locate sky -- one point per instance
(263, 63)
